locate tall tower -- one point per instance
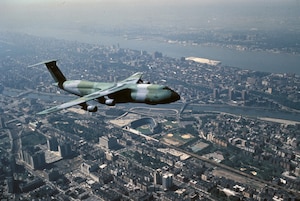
(33, 157)
(230, 94)
(167, 181)
(38, 160)
(52, 144)
(65, 150)
(244, 95)
(216, 94)
(157, 177)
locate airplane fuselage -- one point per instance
(137, 93)
(132, 89)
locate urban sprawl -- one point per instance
(234, 135)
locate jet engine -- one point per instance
(92, 108)
(140, 81)
(110, 102)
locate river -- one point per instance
(252, 60)
(247, 111)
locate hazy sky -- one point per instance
(21, 15)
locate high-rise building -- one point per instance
(108, 143)
(216, 94)
(88, 167)
(33, 157)
(52, 144)
(231, 94)
(167, 180)
(244, 95)
(65, 150)
(157, 177)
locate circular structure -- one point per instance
(153, 126)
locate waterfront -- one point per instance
(246, 111)
(252, 60)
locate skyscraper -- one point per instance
(244, 95)
(107, 143)
(33, 157)
(216, 94)
(231, 94)
(65, 150)
(52, 144)
(167, 180)
(157, 177)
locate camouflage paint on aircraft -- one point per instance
(132, 89)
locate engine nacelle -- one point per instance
(92, 108)
(140, 81)
(110, 102)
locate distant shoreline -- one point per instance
(263, 61)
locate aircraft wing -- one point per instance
(86, 98)
(133, 79)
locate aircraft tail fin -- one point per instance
(55, 72)
(57, 75)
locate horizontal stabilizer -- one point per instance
(43, 62)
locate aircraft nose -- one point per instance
(175, 96)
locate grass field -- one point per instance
(177, 138)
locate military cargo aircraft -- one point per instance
(131, 90)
